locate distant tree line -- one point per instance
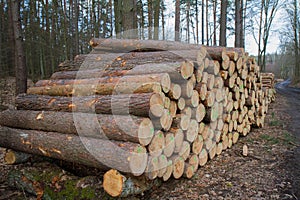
(56, 30)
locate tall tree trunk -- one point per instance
(242, 30)
(21, 70)
(118, 18)
(207, 24)
(163, 18)
(215, 22)
(188, 7)
(202, 22)
(11, 38)
(156, 19)
(197, 22)
(1, 36)
(76, 6)
(223, 23)
(259, 54)
(238, 25)
(177, 20)
(129, 19)
(296, 40)
(150, 19)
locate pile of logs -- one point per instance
(147, 110)
(268, 83)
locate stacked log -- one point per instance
(155, 112)
(268, 83)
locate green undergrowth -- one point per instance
(274, 121)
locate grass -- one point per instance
(270, 139)
(285, 139)
(274, 121)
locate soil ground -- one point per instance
(270, 171)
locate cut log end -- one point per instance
(156, 105)
(138, 160)
(113, 183)
(145, 132)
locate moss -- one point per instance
(69, 192)
(270, 139)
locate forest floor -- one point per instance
(270, 171)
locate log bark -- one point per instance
(12, 157)
(173, 68)
(217, 53)
(118, 185)
(144, 104)
(123, 46)
(116, 127)
(162, 78)
(99, 89)
(129, 60)
(103, 154)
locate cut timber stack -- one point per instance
(268, 83)
(147, 110)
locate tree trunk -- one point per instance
(116, 127)
(118, 17)
(129, 19)
(177, 20)
(125, 46)
(99, 89)
(202, 22)
(163, 79)
(12, 157)
(144, 104)
(238, 23)
(207, 23)
(150, 19)
(156, 19)
(215, 22)
(103, 154)
(111, 61)
(21, 70)
(223, 23)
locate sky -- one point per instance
(250, 44)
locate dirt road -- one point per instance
(292, 96)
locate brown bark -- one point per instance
(116, 127)
(12, 157)
(103, 154)
(127, 61)
(173, 68)
(99, 89)
(124, 46)
(144, 104)
(217, 53)
(162, 78)
(20, 68)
